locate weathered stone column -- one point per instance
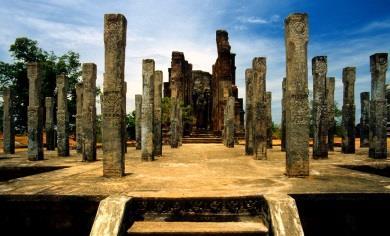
(269, 119)
(35, 112)
(79, 116)
(124, 130)
(378, 111)
(180, 126)
(320, 142)
(138, 118)
(297, 103)
(157, 133)
(114, 44)
(330, 85)
(8, 122)
(49, 124)
(259, 102)
(229, 129)
(89, 112)
(364, 119)
(147, 152)
(348, 110)
(283, 123)
(249, 112)
(62, 116)
(174, 123)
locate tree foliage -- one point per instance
(14, 75)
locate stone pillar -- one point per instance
(49, 124)
(157, 132)
(229, 123)
(138, 118)
(62, 116)
(320, 142)
(89, 112)
(8, 122)
(79, 116)
(330, 85)
(364, 119)
(297, 103)
(114, 44)
(378, 111)
(124, 130)
(174, 122)
(35, 112)
(348, 110)
(180, 126)
(269, 119)
(283, 123)
(259, 103)
(147, 147)
(249, 112)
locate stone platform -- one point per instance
(195, 170)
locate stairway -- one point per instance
(223, 216)
(202, 136)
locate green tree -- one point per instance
(130, 125)
(14, 75)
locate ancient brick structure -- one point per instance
(79, 116)
(49, 124)
(112, 125)
(348, 110)
(180, 78)
(147, 147)
(297, 103)
(283, 123)
(229, 123)
(249, 110)
(62, 116)
(269, 118)
(206, 94)
(364, 119)
(259, 99)
(378, 111)
(157, 113)
(320, 143)
(330, 86)
(138, 118)
(224, 73)
(8, 127)
(88, 119)
(35, 112)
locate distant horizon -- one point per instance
(346, 35)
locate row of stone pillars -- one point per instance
(258, 135)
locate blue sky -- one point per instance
(348, 32)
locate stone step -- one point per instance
(202, 140)
(197, 228)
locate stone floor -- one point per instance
(195, 170)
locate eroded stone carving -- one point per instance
(378, 112)
(348, 110)
(297, 104)
(320, 113)
(112, 125)
(49, 124)
(35, 112)
(8, 120)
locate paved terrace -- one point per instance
(195, 170)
